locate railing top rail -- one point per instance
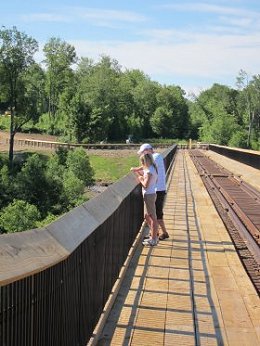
(88, 145)
(26, 253)
(249, 151)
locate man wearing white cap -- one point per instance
(161, 185)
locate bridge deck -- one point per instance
(191, 289)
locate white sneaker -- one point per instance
(149, 242)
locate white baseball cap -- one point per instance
(144, 147)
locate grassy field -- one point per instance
(108, 165)
(110, 169)
(107, 169)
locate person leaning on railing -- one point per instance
(148, 179)
(160, 186)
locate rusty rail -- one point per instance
(238, 204)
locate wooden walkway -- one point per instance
(191, 289)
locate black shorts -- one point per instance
(159, 204)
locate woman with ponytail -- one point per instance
(148, 179)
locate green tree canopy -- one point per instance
(19, 216)
(78, 163)
(59, 58)
(171, 117)
(249, 106)
(16, 56)
(215, 113)
(32, 184)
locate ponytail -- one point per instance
(147, 159)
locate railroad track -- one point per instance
(238, 204)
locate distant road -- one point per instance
(5, 147)
(5, 135)
(20, 135)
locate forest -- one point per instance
(86, 101)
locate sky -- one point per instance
(193, 44)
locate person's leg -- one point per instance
(154, 227)
(153, 238)
(162, 225)
(159, 212)
(164, 234)
(151, 219)
(148, 219)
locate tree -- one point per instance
(242, 83)
(68, 172)
(73, 189)
(100, 91)
(35, 85)
(76, 114)
(215, 112)
(196, 119)
(145, 101)
(220, 130)
(78, 163)
(217, 99)
(19, 216)
(59, 58)
(255, 94)
(162, 122)
(16, 57)
(3, 90)
(238, 139)
(5, 186)
(32, 184)
(54, 177)
(171, 116)
(249, 105)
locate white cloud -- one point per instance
(103, 14)
(97, 17)
(213, 50)
(45, 17)
(201, 56)
(234, 18)
(243, 22)
(208, 8)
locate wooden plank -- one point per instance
(23, 254)
(186, 291)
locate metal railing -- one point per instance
(251, 158)
(26, 142)
(55, 281)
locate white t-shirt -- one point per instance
(161, 181)
(151, 188)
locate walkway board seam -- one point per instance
(191, 289)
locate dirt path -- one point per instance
(4, 147)
(4, 136)
(21, 135)
(93, 190)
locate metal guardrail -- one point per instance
(251, 158)
(55, 281)
(54, 145)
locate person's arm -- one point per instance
(138, 170)
(145, 180)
